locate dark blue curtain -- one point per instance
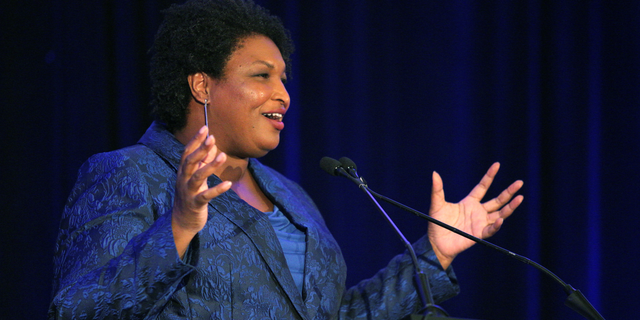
(551, 89)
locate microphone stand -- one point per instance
(575, 299)
(430, 310)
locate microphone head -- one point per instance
(330, 165)
(348, 163)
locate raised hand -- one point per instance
(192, 196)
(470, 215)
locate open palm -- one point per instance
(479, 219)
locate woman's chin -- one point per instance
(265, 148)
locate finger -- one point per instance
(195, 160)
(481, 188)
(437, 192)
(207, 195)
(212, 153)
(491, 229)
(191, 147)
(506, 211)
(195, 142)
(198, 180)
(504, 197)
(511, 206)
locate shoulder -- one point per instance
(136, 158)
(131, 170)
(132, 180)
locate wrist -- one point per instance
(182, 236)
(445, 260)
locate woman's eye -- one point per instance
(263, 75)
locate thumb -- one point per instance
(437, 192)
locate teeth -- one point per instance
(274, 116)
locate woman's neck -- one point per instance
(244, 184)
(234, 170)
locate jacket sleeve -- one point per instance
(391, 293)
(115, 255)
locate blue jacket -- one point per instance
(116, 258)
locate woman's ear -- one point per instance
(199, 85)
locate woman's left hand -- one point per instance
(482, 220)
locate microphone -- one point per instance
(351, 168)
(336, 168)
(331, 166)
(575, 299)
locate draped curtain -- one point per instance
(550, 89)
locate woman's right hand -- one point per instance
(192, 196)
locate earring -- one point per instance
(206, 117)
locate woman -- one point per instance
(185, 225)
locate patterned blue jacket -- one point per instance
(116, 258)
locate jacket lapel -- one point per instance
(324, 276)
(255, 224)
(302, 212)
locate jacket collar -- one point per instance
(163, 143)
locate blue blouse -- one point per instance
(293, 244)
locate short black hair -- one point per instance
(200, 36)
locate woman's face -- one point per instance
(248, 104)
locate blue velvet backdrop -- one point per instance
(548, 88)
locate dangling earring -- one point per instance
(206, 117)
